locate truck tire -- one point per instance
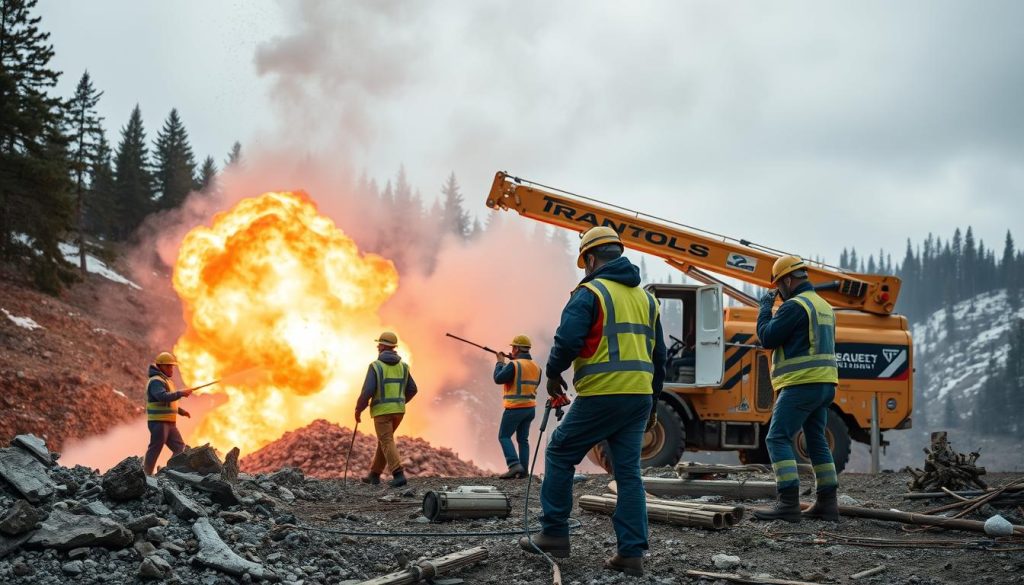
(836, 431)
(663, 444)
(838, 436)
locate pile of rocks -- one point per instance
(198, 521)
(320, 449)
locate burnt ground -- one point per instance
(674, 550)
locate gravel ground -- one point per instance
(674, 549)
(284, 527)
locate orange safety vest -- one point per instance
(521, 392)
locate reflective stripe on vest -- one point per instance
(521, 392)
(391, 382)
(819, 365)
(623, 362)
(161, 411)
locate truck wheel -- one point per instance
(662, 445)
(838, 436)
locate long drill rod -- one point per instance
(483, 347)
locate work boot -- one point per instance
(371, 478)
(514, 472)
(826, 507)
(632, 566)
(787, 508)
(556, 546)
(398, 480)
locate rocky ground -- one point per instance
(200, 521)
(315, 449)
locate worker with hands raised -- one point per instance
(801, 335)
(162, 410)
(610, 333)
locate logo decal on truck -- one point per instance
(864, 361)
(741, 262)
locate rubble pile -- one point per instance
(320, 448)
(200, 522)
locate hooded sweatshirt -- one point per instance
(157, 391)
(389, 357)
(580, 330)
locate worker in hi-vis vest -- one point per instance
(802, 337)
(519, 376)
(610, 333)
(387, 388)
(162, 410)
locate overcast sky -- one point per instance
(807, 126)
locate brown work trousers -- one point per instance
(387, 452)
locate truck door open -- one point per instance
(710, 348)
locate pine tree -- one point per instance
(85, 134)
(478, 229)
(853, 260)
(871, 268)
(844, 260)
(175, 165)
(207, 181)
(36, 206)
(1008, 276)
(1013, 378)
(103, 211)
(969, 265)
(133, 183)
(234, 156)
(455, 219)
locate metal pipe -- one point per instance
(876, 435)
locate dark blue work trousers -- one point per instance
(619, 419)
(516, 421)
(160, 434)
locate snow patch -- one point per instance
(23, 322)
(94, 265)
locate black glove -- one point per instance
(359, 417)
(768, 299)
(556, 386)
(652, 419)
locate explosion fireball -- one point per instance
(275, 287)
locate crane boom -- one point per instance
(686, 248)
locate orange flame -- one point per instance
(274, 286)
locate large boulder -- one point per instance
(125, 481)
(21, 518)
(65, 531)
(26, 474)
(199, 460)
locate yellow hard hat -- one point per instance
(521, 341)
(387, 338)
(165, 358)
(596, 236)
(786, 265)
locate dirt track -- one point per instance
(760, 546)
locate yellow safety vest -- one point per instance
(819, 365)
(391, 382)
(161, 411)
(521, 392)
(623, 362)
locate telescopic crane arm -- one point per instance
(690, 250)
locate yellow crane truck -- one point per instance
(718, 394)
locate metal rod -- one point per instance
(483, 347)
(876, 435)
